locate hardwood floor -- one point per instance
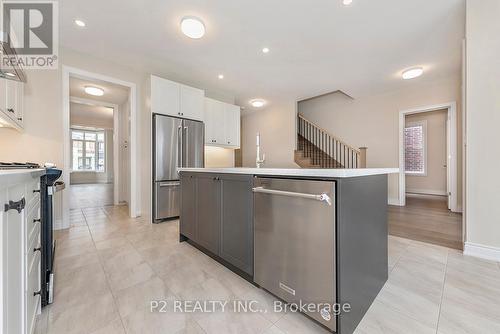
(426, 218)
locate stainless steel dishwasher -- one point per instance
(295, 243)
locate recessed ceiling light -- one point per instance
(221, 76)
(346, 2)
(257, 103)
(192, 27)
(12, 75)
(95, 91)
(80, 23)
(265, 50)
(412, 73)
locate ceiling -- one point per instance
(91, 115)
(315, 47)
(114, 94)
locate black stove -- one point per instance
(19, 165)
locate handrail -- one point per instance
(325, 150)
(329, 134)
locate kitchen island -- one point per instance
(314, 236)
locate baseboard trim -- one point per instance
(393, 201)
(482, 251)
(426, 192)
(58, 224)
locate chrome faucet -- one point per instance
(258, 161)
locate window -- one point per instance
(415, 148)
(88, 150)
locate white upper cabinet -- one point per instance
(12, 103)
(192, 102)
(174, 99)
(165, 96)
(232, 125)
(214, 122)
(222, 124)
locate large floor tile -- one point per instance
(144, 322)
(234, 323)
(296, 323)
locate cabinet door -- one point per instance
(165, 96)
(11, 98)
(3, 95)
(191, 102)
(188, 206)
(19, 101)
(236, 238)
(208, 209)
(232, 125)
(214, 122)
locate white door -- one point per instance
(165, 96)
(191, 103)
(232, 125)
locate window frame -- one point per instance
(84, 141)
(423, 124)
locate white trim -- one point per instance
(426, 192)
(67, 72)
(393, 201)
(482, 251)
(451, 151)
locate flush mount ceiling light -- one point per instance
(221, 76)
(192, 27)
(257, 103)
(265, 50)
(12, 75)
(80, 23)
(94, 91)
(412, 73)
(346, 2)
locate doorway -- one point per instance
(99, 120)
(428, 209)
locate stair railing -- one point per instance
(326, 150)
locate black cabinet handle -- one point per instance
(39, 292)
(19, 118)
(36, 190)
(36, 220)
(38, 249)
(10, 110)
(19, 205)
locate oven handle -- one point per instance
(169, 184)
(321, 197)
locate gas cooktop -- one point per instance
(18, 165)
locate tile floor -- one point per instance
(90, 195)
(109, 267)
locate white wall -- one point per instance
(482, 119)
(434, 182)
(373, 121)
(217, 157)
(276, 125)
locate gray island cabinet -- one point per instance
(303, 235)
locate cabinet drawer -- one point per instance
(32, 226)
(33, 240)
(32, 192)
(32, 219)
(32, 293)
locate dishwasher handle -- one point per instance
(321, 197)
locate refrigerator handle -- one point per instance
(179, 146)
(186, 147)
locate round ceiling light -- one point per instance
(192, 27)
(257, 103)
(346, 2)
(80, 23)
(221, 76)
(10, 74)
(412, 73)
(94, 91)
(265, 50)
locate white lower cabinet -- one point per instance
(222, 124)
(20, 299)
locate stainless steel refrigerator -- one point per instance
(177, 143)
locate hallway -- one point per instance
(90, 195)
(426, 218)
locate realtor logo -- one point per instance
(30, 34)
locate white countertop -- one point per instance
(12, 176)
(333, 173)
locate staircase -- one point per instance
(316, 148)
